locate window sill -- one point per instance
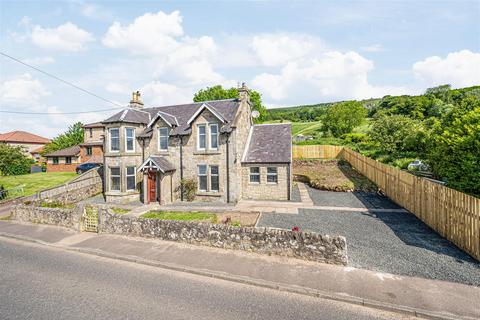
(208, 194)
(206, 152)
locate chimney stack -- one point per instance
(136, 102)
(243, 93)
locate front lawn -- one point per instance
(183, 216)
(34, 182)
(331, 175)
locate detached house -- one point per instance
(149, 151)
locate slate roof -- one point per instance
(94, 125)
(22, 136)
(130, 116)
(269, 143)
(161, 162)
(177, 114)
(67, 152)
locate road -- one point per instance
(39, 282)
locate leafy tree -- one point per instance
(343, 117)
(454, 153)
(398, 133)
(13, 161)
(218, 93)
(72, 137)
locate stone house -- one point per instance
(149, 151)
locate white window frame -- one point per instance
(119, 179)
(57, 160)
(159, 139)
(126, 139)
(216, 134)
(110, 139)
(271, 174)
(198, 136)
(134, 175)
(202, 175)
(214, 175)
(255, 174)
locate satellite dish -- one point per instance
(255, 114)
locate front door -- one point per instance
(152, 187)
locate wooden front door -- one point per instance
(152, 187)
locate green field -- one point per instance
(34, 182)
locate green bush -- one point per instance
(402, 163)
(13, 161)
(341, 118)
(355, 137)
(189, 188)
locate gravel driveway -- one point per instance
(392, 242)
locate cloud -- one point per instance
(330, 76)
(66, 37)
(373, 48)
(151, 33)
(22, 91)
(460, 69)
(158, 93)
(160, 40)
(276, 49)
(94, 11)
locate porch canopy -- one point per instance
(157, 163)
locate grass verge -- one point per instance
(182, 216)
(120, 210)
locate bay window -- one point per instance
(115, 179)
(214, 136)
(114, 140)
(214, 181)
(130, 177)
(130, 139)
(202, 177)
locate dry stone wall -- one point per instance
(302, 245)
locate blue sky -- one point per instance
(297, 52)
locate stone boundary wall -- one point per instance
(63, 217)
(302, 245)
(82, 187)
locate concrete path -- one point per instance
(410, 295)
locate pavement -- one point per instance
(408, 295)
(381, 237)
(39, 282)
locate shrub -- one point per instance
(355, 137)
(189, 188)
(13, 161)
(402, 163)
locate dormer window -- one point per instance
(130, 139)
(163, 139)
(202, 137)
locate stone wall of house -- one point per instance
(123, 159)
(265, 190)
(302, 245)
(96, 134)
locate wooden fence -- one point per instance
(316, 151)
(453, 214)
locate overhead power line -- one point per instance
(50, 113)
(60, 79)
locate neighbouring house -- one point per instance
(28, 141)
(65, 160)
(91, 150)
(149, 151)
(37, 155)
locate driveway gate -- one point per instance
(90, 219)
